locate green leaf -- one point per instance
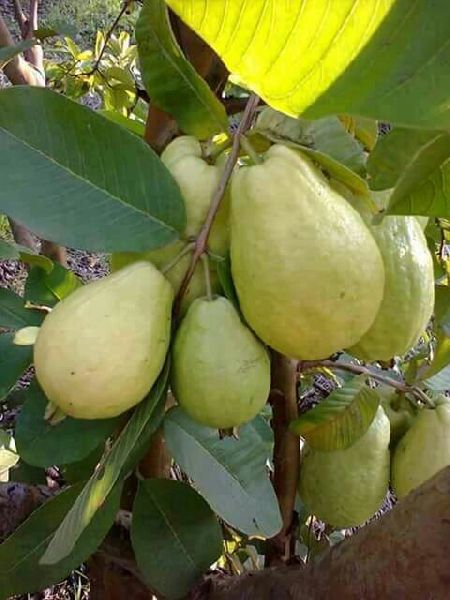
(20, 554)
(327, 135)
(41, 444)
(64, 178)
(8, 251)
(13, 314)
(106, 475)
(23, 473)
(9, 52)
(439, 382)
(230, 473)
(441, 358)
(385, 60)
(393, 153)
(223, 267)
(423, 188)
(14, 360)
(339, 420)
(171, 81)
(133, 125)
(82, 470)
(442, 307)
(173, 532)
(12, 251)
(49, 288)
(365, 130)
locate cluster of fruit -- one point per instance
(313, 274)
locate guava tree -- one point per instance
(262, 235)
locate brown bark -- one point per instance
(405, 554)
(286, 457)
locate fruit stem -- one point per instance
(205, 261)
(188, 248)
(361, 370)
(248, 149)
(202, 239)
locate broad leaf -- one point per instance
(132, 125)
(223, 267)
(20, 554)
(439, 382)
(424, 186)
(64, 178)
(49, 288)
(442, 307)
(365, 130)
(385, 60)
(327, 135)
(230, 473)
(42, 444)
(339, 420)
(171, 81)
(24, 473)
(173, 532)
(393, 153)
(13, 314)
(8, 251)
(12, 251)
(14, 360)
(106, 475)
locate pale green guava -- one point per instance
(220, 371)
(423, 451)
(346, 487)
(399, 411)
(408, 298)
(308, 273)
(100, 350)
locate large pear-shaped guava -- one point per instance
(220, 371)
(198, 181)
(346, 487)
(423, 451)
(101, 349)
(308, 273)
(408, 298)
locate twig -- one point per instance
(202, 239)
(109, 33)
(361, 370)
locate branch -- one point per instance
(286, 456)
(202, 239)
(404, 554)
(123, 10)
(361, 370)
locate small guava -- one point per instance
(100, 350)
(346, 487)
(423, 451)
(220, 370)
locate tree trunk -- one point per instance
(403, 555)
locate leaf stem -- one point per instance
(248, 149)
(205, 261)
(202, 239)
(379, 376)
(188, 248)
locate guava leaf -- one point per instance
(229, 473)
(392, 154)
(424, 186)
(442, 307)
(105, 477)
(365, 130)
(9, 52)
(167, 540)
(171, 81)
(327, 135)
(14, 360)
(341, 419)
(226, 280)
(20, 568)
(24, 473)
(63, 178)
(133, 125)
(41, 444)
(13, 314)
(8, 251)
(13, 251)
(439, 382)
(319, 58)
(47, 289)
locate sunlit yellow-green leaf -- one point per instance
(385, 59)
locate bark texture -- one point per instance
(405, 554)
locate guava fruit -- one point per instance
(308, 273)
(163, 256)
(100, 350)
(346, 487)
(198, 181)
(408, 298)
(220, 371)
(423, 450)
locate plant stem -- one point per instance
(248, 149)
(202, 239)
(188, 248)
(361, 370)
(205, 261)
(109, 33)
